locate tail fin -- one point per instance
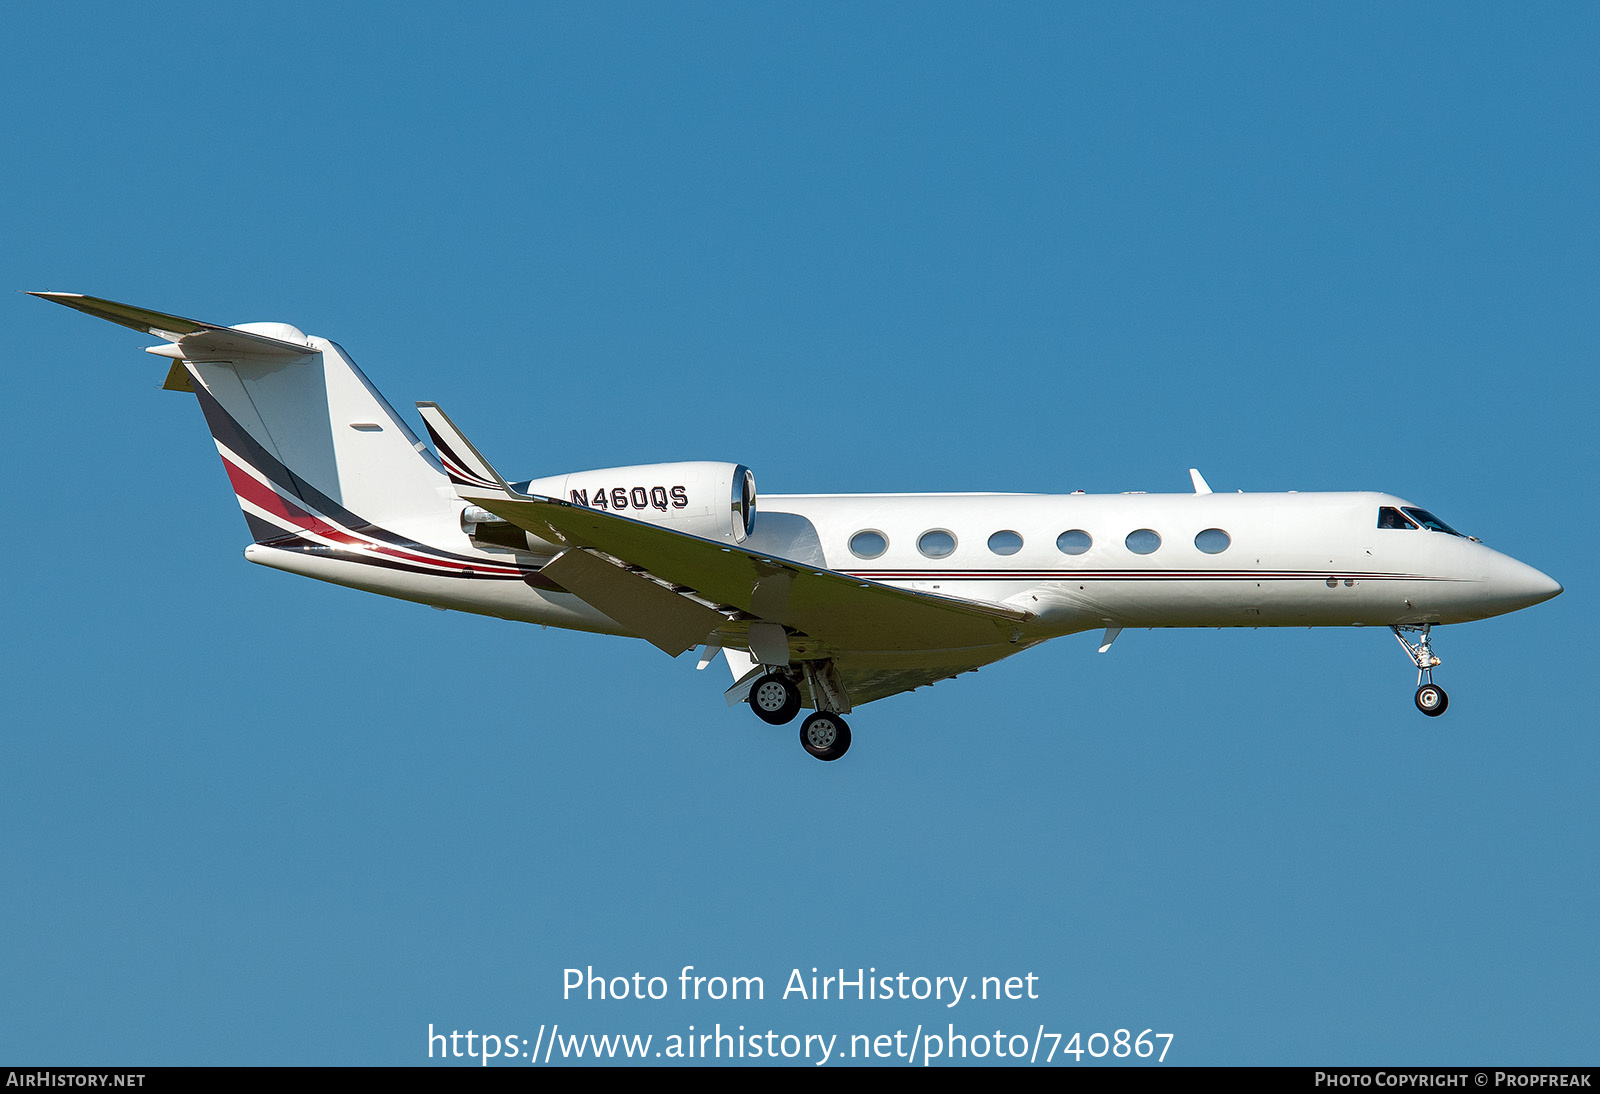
(307, 441)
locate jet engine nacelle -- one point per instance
(711, 500)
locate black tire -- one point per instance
(775, 699)
(1432, 700)
(826, 736)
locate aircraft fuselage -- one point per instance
(1138, 560)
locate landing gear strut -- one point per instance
(1431, 698)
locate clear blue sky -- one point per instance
(250, 818)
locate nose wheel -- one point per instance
(1431, 698)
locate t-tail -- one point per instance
(313, 451)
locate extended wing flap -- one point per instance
(843, 611)
(668, 621)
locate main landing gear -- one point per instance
(825, 735)
(1431, 698)
(775, 698)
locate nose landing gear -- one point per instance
(1431, 698)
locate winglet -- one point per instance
(1199, 481)
(461, 459)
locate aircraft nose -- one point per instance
(1518, 585)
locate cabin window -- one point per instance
(1075, 542)
(1390, 517)
(1213, 541)
(868, 544)
(1143, 541)
(1430, 522)
(1005, 543)
(937, 543)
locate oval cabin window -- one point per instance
(1075, 542)
(937, 543)
(1005, 543)
(868, 544)
(1144, 541)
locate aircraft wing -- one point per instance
(676, 590)
(866, 677)
(844, 612)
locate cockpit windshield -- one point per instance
(1410, 517)
(1430, 522)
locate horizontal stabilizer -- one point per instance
(198, 341)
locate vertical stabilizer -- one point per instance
(316, 434)
(308, 443)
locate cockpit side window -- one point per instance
(1430, 522)
(1390, 517)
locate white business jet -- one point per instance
(823, 601)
